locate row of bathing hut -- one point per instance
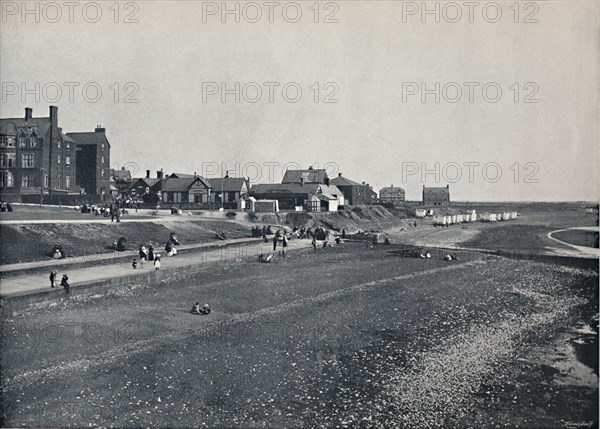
(472, 216)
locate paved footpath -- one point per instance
(226, 250)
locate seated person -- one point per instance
(196, 309)
(205, 309)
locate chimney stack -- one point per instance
(28, 113)
(339, 174)
(122, 168)
(310, 167)
(147, 174)
(159, 174)
(99, 129)
(53, 116)
(302, 181)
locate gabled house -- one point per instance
(392, 195)
(436, 196)
(146, 189)
(232, 188)
(194, 190)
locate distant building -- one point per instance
(306, 176)
(93, 162)
(392, 195)
(35, 157)
(147, 189)
(436, 196)
(194, 190)
(354, 192)
(233, 188)
(121, 179)
(308, 196)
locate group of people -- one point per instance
(263, 231)
(147, 254)
(5, 207)
(196, 309)
(64, 282)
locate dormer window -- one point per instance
(22, 141)
(10, 141)
(33, 141)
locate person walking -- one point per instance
(53, 274)
(274, 243)
(284, 245)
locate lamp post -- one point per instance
(41, 186)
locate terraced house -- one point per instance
(36, 158)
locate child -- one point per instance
(157, 262)
(134, 263)
(205, 309)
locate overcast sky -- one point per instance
(373, 61)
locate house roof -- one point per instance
(181, 175)
(390, 191)
(177, 184)
(228, 184)
(344, 181)
(8, 126)
(436, 190)
(309, 176)
(294, 188)
(148, 181)
(122, 175)
(89, 138)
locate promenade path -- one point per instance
(226, 250)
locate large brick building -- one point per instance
(93, 161)
(35, 157)
(436, 195)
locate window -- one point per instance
(27, 181)
(22, 141)
(27, 160)
(102, 172)
(68, 145)
(102, 146)
(67, 181)
(58, 144)
(33, 141)
(67, 160)
(7, 160)
(58, 159)
(102, 160)
(7, 180)
(10, 141)
(45, 180)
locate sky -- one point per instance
(501, 101)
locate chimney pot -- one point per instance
(28, 113)
(147, 174)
